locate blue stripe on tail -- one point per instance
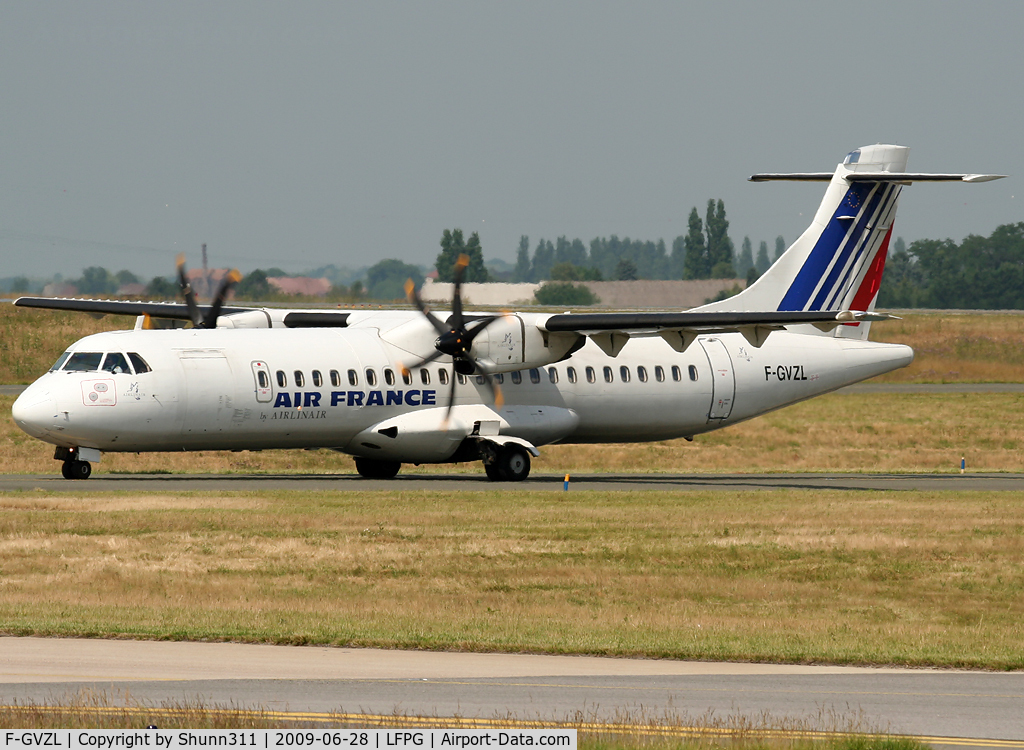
(825, 249)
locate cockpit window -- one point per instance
(60, 361)
(116, 363)
(139, 363)
(852, 158)
(83, 362)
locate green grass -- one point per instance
(909, 578)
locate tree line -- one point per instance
(705, 252)
(979, 273)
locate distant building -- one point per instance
(204, 285)
(492, 293)
(60, 289)
(131, 290)
(645, 293)
(303, 285)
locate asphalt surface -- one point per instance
(315, 681)
(543, 482)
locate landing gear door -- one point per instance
(723, 379)
(264, 384)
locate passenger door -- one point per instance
(723, 379)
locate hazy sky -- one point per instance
(298, 134)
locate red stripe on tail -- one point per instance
(872, 279)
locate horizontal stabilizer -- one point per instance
(908, 177)
(792, 176)
(900, 177)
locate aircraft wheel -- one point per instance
(513, 464)
(76, 469)
(373, 469)
(493, 472)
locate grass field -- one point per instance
(909, 578)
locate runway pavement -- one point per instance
(478, 482)
(315, 681)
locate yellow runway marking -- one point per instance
(438, 722)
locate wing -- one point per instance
(169, 310)
(611, 331)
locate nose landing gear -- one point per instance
(76, 461)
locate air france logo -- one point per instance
(311, 399)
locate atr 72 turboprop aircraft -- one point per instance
(407, 386)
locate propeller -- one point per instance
(455, 338)
(231, 278)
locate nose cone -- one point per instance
(35, 411)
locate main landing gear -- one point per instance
(371, 468)
(76, 469)
(510, 464)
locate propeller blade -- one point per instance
(188, 294)
(414, 298)
(472, 332)
(425, 361)
(230, 279)
(493, 387)
(451, 400)
(460, 270)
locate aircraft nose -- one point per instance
(34, 411)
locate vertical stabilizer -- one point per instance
(837, 263)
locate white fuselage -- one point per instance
(343, 389)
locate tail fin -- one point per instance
(837, 263)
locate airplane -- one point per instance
(390, 387)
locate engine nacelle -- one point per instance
(516, 342)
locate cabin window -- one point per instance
(83, 362)
(553, 374)
(139, 363)
(480, 379)
(425, 376)
(371, 377)
(116, 363)
(406, 376)
(353, 377)
(677, 374)
(60, 360)
(282, 379)
(534, 375)
(659, 373)
(570, 372)
(318, 379)
(462, 378)
(693, 373)
(335, 378)
(389, 376)
(499, 377)
(641, 374)
(517, 377)
(609, 376)
(300, 380)
(442, 375)
(263, 379)
(591, 375)
(624, 374)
